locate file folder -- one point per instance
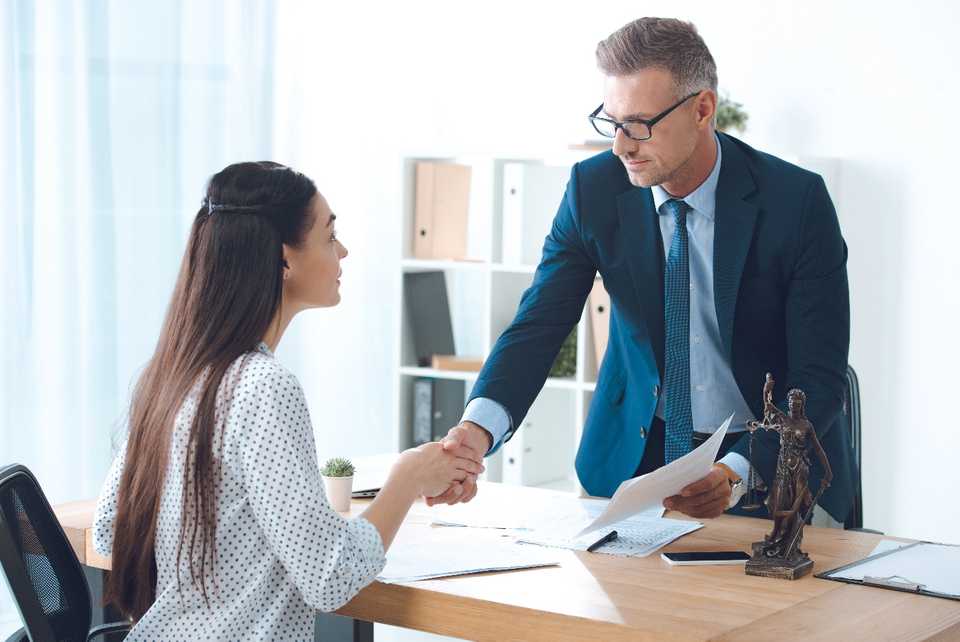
(600, 319)
(442, 202)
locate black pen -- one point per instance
(609, 537)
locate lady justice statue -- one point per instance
(789, 501)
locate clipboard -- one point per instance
(918, 568)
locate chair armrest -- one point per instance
(19, 636)
(107, 629)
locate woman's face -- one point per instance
(312, 276)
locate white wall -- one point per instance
(869, 84)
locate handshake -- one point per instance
(445, 472)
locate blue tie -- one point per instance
(679, 417)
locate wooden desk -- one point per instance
(601, 597)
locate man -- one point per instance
(722, 264)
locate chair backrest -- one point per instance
(851, 412)
(45, 577)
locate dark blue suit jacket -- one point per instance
(780, 289)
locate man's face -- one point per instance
(645, 94)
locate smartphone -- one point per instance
(705, 557)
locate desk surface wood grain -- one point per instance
(601, 597)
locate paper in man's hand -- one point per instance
(641, 493)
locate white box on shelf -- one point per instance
(541, 450)
(531, 193)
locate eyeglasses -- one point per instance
(633, 128)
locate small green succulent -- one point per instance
(337, 467)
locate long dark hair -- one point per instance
(226, 295)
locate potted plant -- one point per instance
(565, 364)
(730, 115)
(338, 480)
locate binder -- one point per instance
(600, 319)
(422, 411)
(428, 310)
(531, 193)
(925, 568)
(441, 203)
(437, 407)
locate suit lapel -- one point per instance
(643, 247)
(733, 232)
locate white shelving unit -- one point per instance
(484, 294)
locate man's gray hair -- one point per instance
(667, 43)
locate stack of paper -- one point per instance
(412, 561)
(483, 511)
(559, 511)
(635, 537)
(560, 518)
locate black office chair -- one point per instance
(45, 577)
(851, 414)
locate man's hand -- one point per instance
(470, 441)
(707, 497)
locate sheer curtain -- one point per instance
(114, 114)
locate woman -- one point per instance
(214, 512)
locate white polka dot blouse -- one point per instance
(280, 551)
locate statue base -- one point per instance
(798, 565)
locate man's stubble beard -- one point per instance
(640, 180)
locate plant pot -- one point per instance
(339, 490)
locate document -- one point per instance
(411, 560)
(635, 537)
(563, 513)
(641, 493)
(483, 511)
(887, 545)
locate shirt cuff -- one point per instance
(373, 557)
(738, 464)
(491, 416)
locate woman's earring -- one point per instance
(286, 274)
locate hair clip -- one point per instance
(213, 207)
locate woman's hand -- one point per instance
(433, 470)
(427, 470)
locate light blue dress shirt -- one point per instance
(714, 393)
